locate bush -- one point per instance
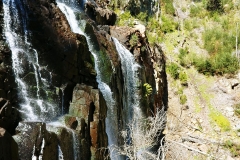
(195, 11)
(222, 63)
(214, 5)
(225, 63)
(183, 99)
(147, 89)
(168, 24)
(173, 70)
(142, 16)
(217, 40)
(125, 19)
(183, 78)
(220, 120)
(133, 40)
(168, 6)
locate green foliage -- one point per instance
(182, 52)
(183, 99)
(237, 110)
(125, 19)
(216, 40)
(147, 89)
(214, 5)
(173, 70)
(168, 24)
(142, 16)
(168, 6)
(183, 77)
(190, 24)
(222, 63)
(220, 119)
(195, 11)
(232, 147)
(133, 40)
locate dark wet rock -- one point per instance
(8, 147)
(9, 116)
(34, 141)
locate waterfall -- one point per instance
(75, 145)
(111, 120)
(129, 69)
(25, 64)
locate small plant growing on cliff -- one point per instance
(133, 40)
(147, 89)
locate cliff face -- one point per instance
(73, 85)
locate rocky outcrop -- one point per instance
(152, 63)
(101, 16)
(89, 106)
(9, 116)
(134, 6)
(8, 147)
(35, 142)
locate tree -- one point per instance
(214, 5)
(141, 137)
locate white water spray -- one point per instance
(129, 69)
(24, 55)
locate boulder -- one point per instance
(35, 142)
(100, 15)
(9, 116)
(8, 147)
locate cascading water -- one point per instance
(129, 69)
(25, 64)
(111, 120)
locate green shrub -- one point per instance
(195, 11)
(214, 5)
(133, 40)
(232, 147)
(182, 52)
(217, 40)
(173, 70)
(237, 110)
(183, 77)
(220, 120)
(190, 24)
(125, 19)
(142, 16)
(183, 99)
(168, 6)
(222, 63)
(203, 65)
(147, 89)
(225, 63)
(168, 24)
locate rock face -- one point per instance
(65, 53)
(99, 15)
(8, 147)
(66, 56)
(152, 63)
(89, 106)
(34, 141)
